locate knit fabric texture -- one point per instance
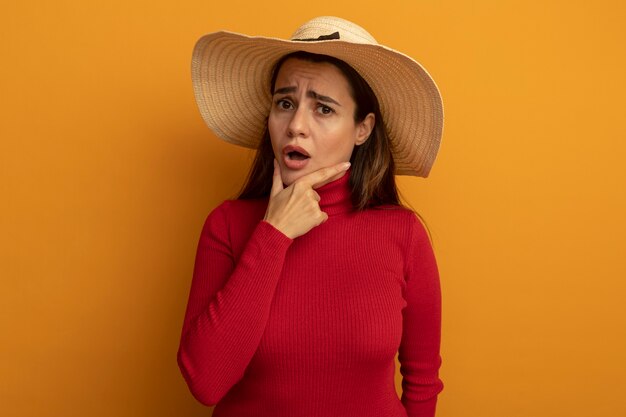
(309, 327)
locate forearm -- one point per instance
(221, 334)
(419, 353)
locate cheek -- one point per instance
(343, 138)
(339, 148)
(273, 131)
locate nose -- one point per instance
(299, 123)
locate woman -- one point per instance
(308, 284)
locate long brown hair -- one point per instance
(371, 178)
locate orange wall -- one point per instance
(107, 173)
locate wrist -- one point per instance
(276, 225)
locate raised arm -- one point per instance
(229, 304)
(419, 353)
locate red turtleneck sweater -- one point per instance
(276, 327)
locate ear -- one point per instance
(364, 129)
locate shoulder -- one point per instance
(420, 252)
(408, 217)
(401, 216)
(235, 217)
(401, 222)
(409, 226)
(229, 210)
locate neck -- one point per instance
(335, 196)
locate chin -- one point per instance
(290, 178)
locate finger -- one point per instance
(277, 180)
(324, 175)
(310, 192)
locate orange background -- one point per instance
(107, 173)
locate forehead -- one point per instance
(295, 72)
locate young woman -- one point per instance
(307, 286)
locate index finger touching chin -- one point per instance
(323, 176)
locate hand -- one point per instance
(295, 210)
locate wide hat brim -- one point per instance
(231, 81)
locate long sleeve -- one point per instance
(419, 352)
(229, 304)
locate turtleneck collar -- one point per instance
(336, 196)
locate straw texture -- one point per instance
(231, 79)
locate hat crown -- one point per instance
(322, 28)
(231, 74)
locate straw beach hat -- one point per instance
(231, 75)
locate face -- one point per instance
(313, 112)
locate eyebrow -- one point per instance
(310, 93)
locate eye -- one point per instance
(284, 104)
(324, 109)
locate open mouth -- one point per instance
(295, 153)
(297, 156)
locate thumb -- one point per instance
(277, 180)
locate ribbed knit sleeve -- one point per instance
(229, 304)
(419, 353)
